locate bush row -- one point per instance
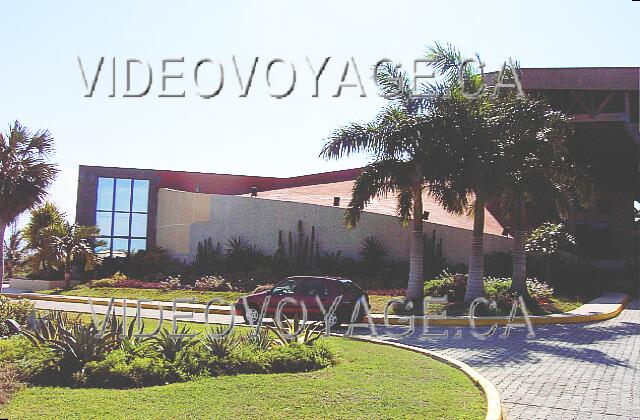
(67, 351)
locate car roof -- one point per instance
(316, 277)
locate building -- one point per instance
(137, 208)
(140, 208)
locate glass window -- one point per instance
(140, 195)
(120, 245)
(105, 194)
(103, 221)
(313, 287)
(138, 225)
(121, 224)
(105, 247)
(286, 287)
(124, 217)
(138, 244)
(123, 195)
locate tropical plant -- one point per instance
(169, 345)
(14, 252)
(65, 244)
(218, 345)
(76, 343)
(541, 175)
(308, 334)
(25, 174)
(40, 218)
(373, 252)
(213, 284)
(415, 146)
(17, 310)
(481, 172)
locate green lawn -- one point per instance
(370, 381)
(558, 304)
(153, 294)
(377, 302)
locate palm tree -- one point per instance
(539, 169)
(67, 243)
(481, 173)
(41, 217)
(411, 142)
(13, 251)
(25, 174)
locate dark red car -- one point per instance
(304, 289)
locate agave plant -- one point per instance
(169, 345)
(218, 345)
(261, 340)
(82, 343)
(48, 327)
(308, 334)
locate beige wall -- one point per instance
(184, 219)
(177, 211)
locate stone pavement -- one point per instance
(571, 371)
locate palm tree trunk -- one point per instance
(415, 287)
(2, 230)
(67, 275)
(475, 282)
(519, 279)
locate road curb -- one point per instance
(492, 396)
(564, 318)
(219, 310)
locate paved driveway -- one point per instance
(574, 371)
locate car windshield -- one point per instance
(350, 287)
(286, 287)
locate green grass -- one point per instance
(558, 304)
(153, 294)
(370, 381)
(377, 302)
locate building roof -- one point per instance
(323, 194)
(578, 78)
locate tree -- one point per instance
(547, 239)
(412, 143)
(481, 173)
(67, 243)
(14, 254)
(538, 168)
(41, 218)
(25, 174)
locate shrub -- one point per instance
(297, 357)
(14, 348)
(171, 283)
(497, 289)
(213, 284)
(119, 370)
(451, 285)
(102, 283)
(9, 382)
(41, 365)
(17, 310)
(263, 288)
(245, 359)
(541, 292)
(169, 346)
(220, 347)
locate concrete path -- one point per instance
(167, 314)
(573, 371)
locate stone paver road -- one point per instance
(573, 371)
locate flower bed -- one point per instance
(72, 352)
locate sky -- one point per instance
(42, 86)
